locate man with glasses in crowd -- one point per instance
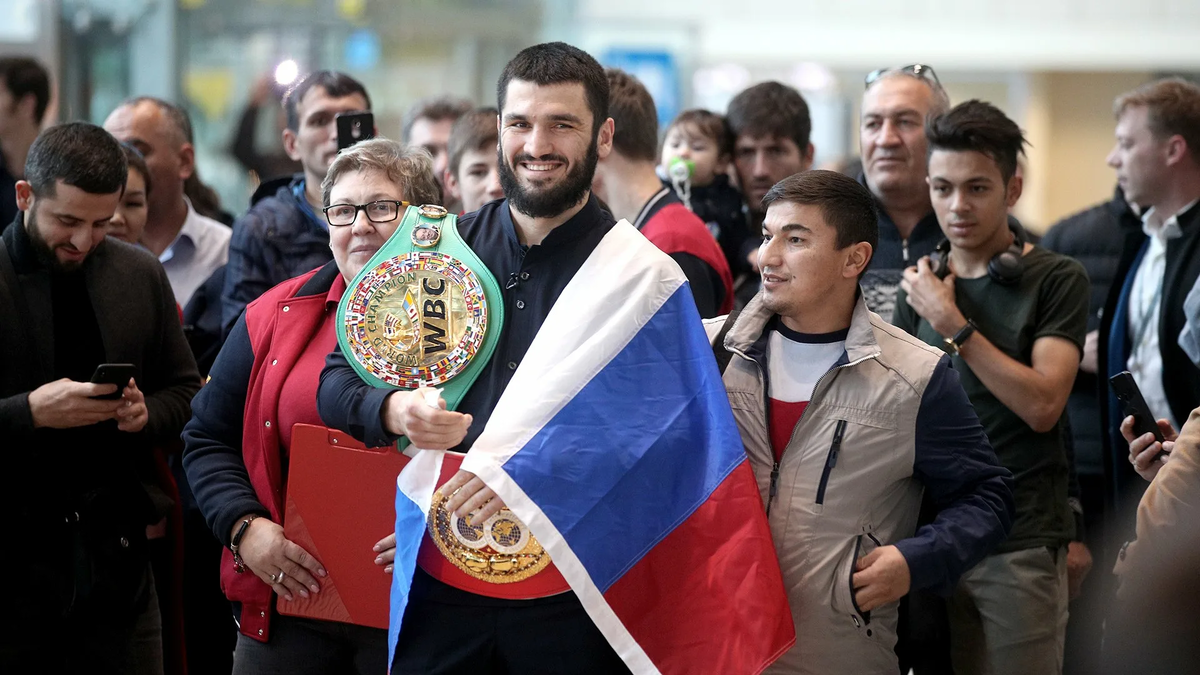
(895, 106)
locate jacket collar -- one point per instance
(321, 282)
(749, 331)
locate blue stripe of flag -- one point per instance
(638, 449)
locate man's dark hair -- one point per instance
(334, 83)
(980, 127)
(847, 205)
(636, 120)
(771, 109)
(175, 114)
(79, 154)
(559, 63)
(475, 130)
(435, 109)
(709, 124)
(24, 76)
(137, 162)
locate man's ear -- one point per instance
(809, 154)
(1177, 149)
(604, 140)
(187, 161)
(24, 195)
(289, 145)
(1013, 190)
(452, 187)
(858, 256)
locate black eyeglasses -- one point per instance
(917, 70)
(381, 211)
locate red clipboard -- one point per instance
(341, 499)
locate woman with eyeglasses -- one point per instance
(237, 443)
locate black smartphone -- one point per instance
(114, 373)
(1133, 404)
(354, 127)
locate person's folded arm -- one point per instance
(349, 404)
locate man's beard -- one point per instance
(43, 251)
(553, 200)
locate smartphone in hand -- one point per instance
(354, 127)
(1133, 404)
(114, 373)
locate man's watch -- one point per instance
(954, 343)
(238, 565)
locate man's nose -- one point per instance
(761, 167)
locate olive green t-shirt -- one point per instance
(1051, 299)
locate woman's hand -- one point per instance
(278, 561)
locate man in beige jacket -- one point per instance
(847, 421)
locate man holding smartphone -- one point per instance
(282, 235)
(73, 306)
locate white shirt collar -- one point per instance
(190, 230)
(1166, 229)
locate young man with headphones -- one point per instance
(1013, 317)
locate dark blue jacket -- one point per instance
(279, 238)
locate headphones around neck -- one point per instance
(1005, 268)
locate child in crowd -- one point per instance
(702, 142)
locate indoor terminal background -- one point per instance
(1053, 65)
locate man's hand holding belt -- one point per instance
(429, 427)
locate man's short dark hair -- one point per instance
(435, 109)
(980, 127)
(24, 76)
(475, 130)
(336, 84)
(709, 124)
(847, 205)
(176, 115)
(559, 63)
(636, 120)
(771, 109)
(79, 154)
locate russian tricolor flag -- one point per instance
(615, 443)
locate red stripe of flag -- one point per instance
(709, 598)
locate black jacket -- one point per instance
(1094, 237)
(275, 240)
(1181, 378)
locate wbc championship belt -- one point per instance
(426, 312)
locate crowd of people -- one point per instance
(920, 385)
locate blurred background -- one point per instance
(1053, 65)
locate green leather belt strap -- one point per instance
(423, 311)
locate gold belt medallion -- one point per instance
(417, 319)
(500, 550)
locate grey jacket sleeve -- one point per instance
(970, 489)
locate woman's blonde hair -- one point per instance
(411, 168)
